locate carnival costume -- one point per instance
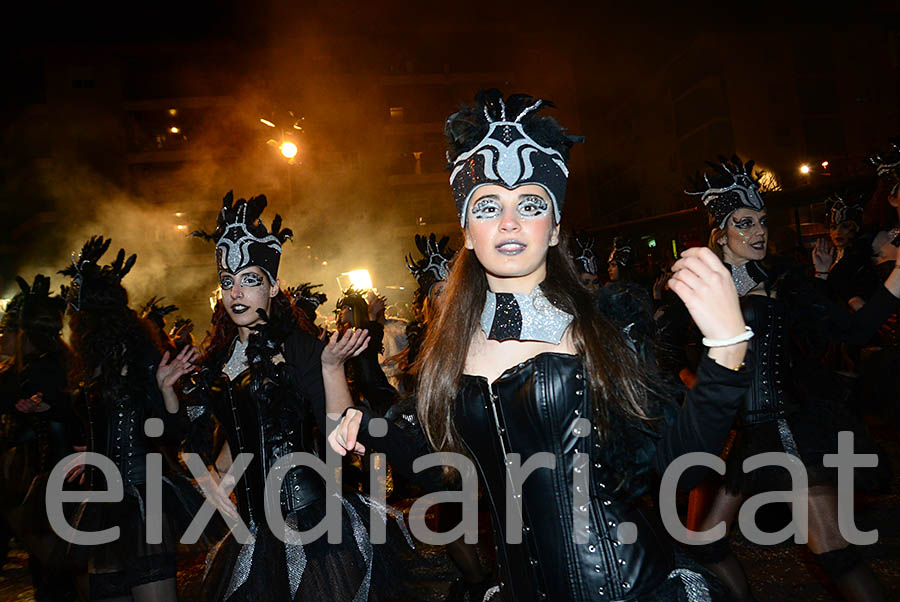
(544, 405)
(269, 396)
(126, 421)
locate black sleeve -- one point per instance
(404, 442)
(370, 380)
(303, 360)
(702, 424)
(859, 327)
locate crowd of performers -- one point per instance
(515, 347)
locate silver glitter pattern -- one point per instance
(365, 548)
(237, 363)
(295, 556)
(742, 279)
(694, 583)
(491, 593)
(195, 412)
(541, 320)
(242, 564)
(787, 438)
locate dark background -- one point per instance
(655, 90)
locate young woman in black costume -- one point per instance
(267, 379)
(522, 359)
(116, 358)
(786, 409)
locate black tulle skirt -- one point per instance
(808, 433)
(267, 569)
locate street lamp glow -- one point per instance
(825, 164)
(174, 129)
(289, 150)
(360, 279)
(266, 122)
(804, 169)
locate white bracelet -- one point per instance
(744, 336)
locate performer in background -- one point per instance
(116, 357)
(521, 359)
(586, 262)
(39, 428)
(269, 381)
(788, 408)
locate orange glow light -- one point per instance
(174, 129)
(289, 150)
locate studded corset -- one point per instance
(769, 397)
(540, 406)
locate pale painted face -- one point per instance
(843, 234)
(245, 292)
(510, 232)
(746, 236)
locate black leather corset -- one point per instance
(536, 407)
(116, 424)
(768, 397)
(269, 429)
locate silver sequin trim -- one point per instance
(385, 511)
(243, 563)
(365, 548)
(742, 280)
(694, 583)
(541, 320)
(787, 437)
(237, 363)
(489, 595)
(195, 412)
(295, 555)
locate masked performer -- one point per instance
(269, 382)
(368, 383)
(520, 360)
(116, 357)
(41, 428)
(586, 262)
(307, 301)
(787, 408)
(848, 272)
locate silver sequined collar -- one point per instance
(237, 363)
(517, 316)
(743, 281)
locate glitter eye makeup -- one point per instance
(532, 206)
(486, 208)
(743, 224)
(251, 280)
(226, 282)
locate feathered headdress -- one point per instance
(840, 211)
(34, 310)
(95, 287)
(621, 252)
(887, 166)
(586, 259)
(156, 312)
(506, 143)
(731, 186)
(434, 266)
(303, 297)
(242, 240)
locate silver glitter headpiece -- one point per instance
(734, 187)
(243, 241)
(509, 157)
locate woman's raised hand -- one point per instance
(343, 346)
(343, 438)
(705, 286)
(170, 370)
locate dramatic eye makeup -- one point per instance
(532, 206)
(486, 208)
(742, 224)
(251, 279)
(226, 282)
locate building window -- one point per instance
(396, 114)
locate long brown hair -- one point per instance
(618, 380)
